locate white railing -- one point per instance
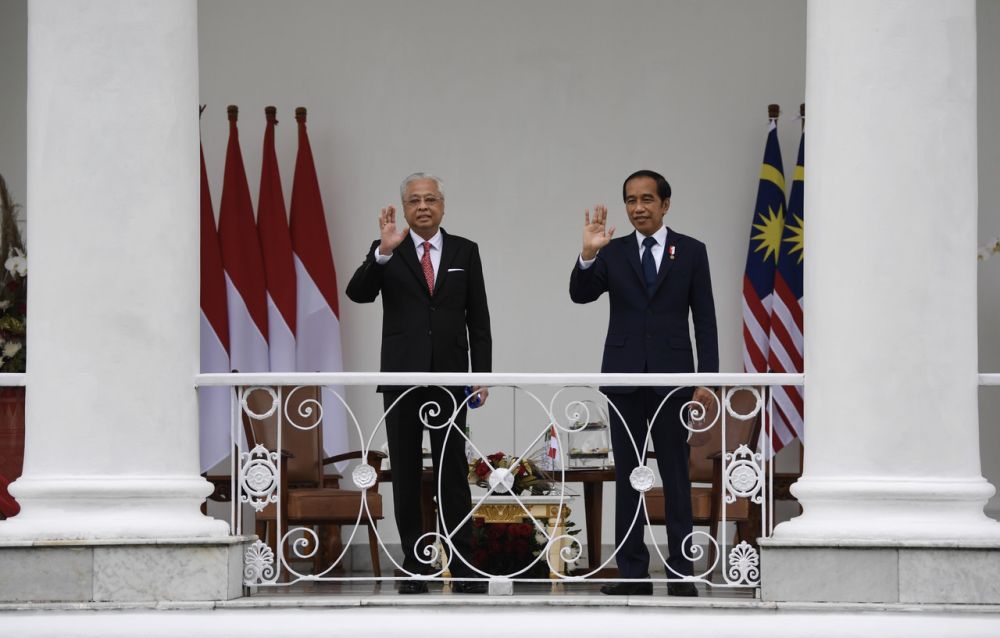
(12, 379)
(744, 473)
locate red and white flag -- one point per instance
(552, 454)
(318, 312)
(244, 266)
(213, 402)
(276, 249)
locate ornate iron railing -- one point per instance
(743, 472)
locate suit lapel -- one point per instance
(448, 251)
(408, 251)
(630, 246)
(665, 262)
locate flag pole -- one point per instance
(802, 115)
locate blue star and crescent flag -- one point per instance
(785, 352)
(762, 255)
(772, 286)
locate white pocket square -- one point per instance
(456, 270)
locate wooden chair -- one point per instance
(308, 496)
(705, 470)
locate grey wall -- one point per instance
(13, 95)
(531, 112)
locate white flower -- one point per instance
(17, 263)
(10, 349)
(4, 304)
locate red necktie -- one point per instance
(425, 263)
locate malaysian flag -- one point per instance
(786, 314)
(762, 254)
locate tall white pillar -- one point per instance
(892, 449)
(111, 434)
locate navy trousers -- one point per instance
(404, 433)
(669, 439)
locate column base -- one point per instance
(77, 508)
(890, 511)
(858, 573)
(106, 571)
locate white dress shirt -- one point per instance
(661, 240)
(436, 242)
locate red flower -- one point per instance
(496, 457)
(495, 531)
(482, 470)
(521, 470)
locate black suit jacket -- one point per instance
(650, 333)
(425, 333)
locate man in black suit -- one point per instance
(654, 278)
(434, 319)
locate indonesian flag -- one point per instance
(245, 292)
(276, 248)
(318, 322)
(553, 452)
(213, 403)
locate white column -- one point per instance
(112, 440)
(892, 449)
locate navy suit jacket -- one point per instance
(651, 333)
(421, 332)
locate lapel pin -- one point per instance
(672, 250)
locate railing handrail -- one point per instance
(989, 379)
(12, 379)
(498, 378)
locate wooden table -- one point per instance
(592, 479)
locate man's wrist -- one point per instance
(381, 257)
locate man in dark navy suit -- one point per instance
(434, 319)
(655, 278)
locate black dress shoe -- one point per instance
(681, 589)
(469, 587)
(412, 587)
(628, 589)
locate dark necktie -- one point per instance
(649, 264)
(428, 268)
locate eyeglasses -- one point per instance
(430, 200)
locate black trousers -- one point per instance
(404, 431)
(669, 438)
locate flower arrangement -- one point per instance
(507, 548)
(991, 248)
(528, 477)
(13, 286)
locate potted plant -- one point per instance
(13, 312)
